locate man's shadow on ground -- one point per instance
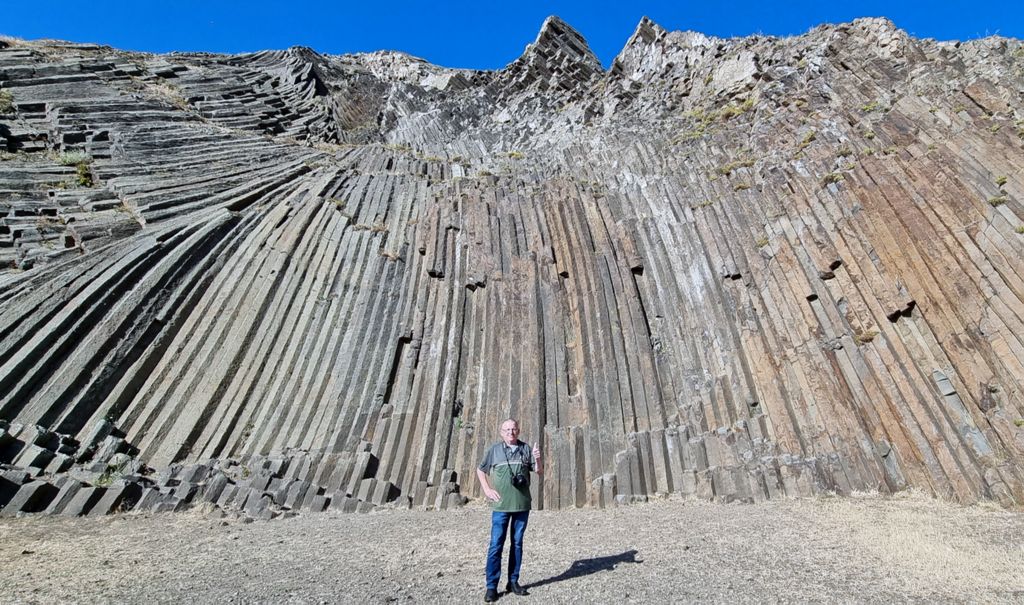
(585, 567)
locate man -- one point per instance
(505, 476)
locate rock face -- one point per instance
(732, 269)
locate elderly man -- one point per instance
(505, 476)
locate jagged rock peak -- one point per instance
(651, 48)
(559, 59)
(877, 24)
(556, 36)
(881, 36)
(304, 52)
(646, 31)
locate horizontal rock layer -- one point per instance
(732, 269)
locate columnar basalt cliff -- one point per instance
(730, 269)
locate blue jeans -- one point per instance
(499, 527)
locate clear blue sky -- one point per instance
(487, 34)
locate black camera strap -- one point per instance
(520, 478)
(522, 459)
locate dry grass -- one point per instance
(727, 169)
(83, 175)
(864, 549)
(331, 148)
(807, 140)
(830, 178)
(131, 208)
(166, 92)
(937, 548)
(46, 224)
(72, 158)
(704, 119)
(863, 337)
(6, 101)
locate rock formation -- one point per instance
(732, 269)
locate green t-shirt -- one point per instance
(501, 462)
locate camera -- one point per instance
(520, 480)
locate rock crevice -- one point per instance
(728, 269)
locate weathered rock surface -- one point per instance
(733, 269)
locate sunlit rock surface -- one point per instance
(731, 269)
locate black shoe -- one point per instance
(490, 596)
(516, 588)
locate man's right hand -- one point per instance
(492, 494)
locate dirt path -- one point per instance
(863, 549)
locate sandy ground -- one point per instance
(865, 549)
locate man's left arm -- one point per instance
(538, 465)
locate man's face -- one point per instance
(510, 432)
